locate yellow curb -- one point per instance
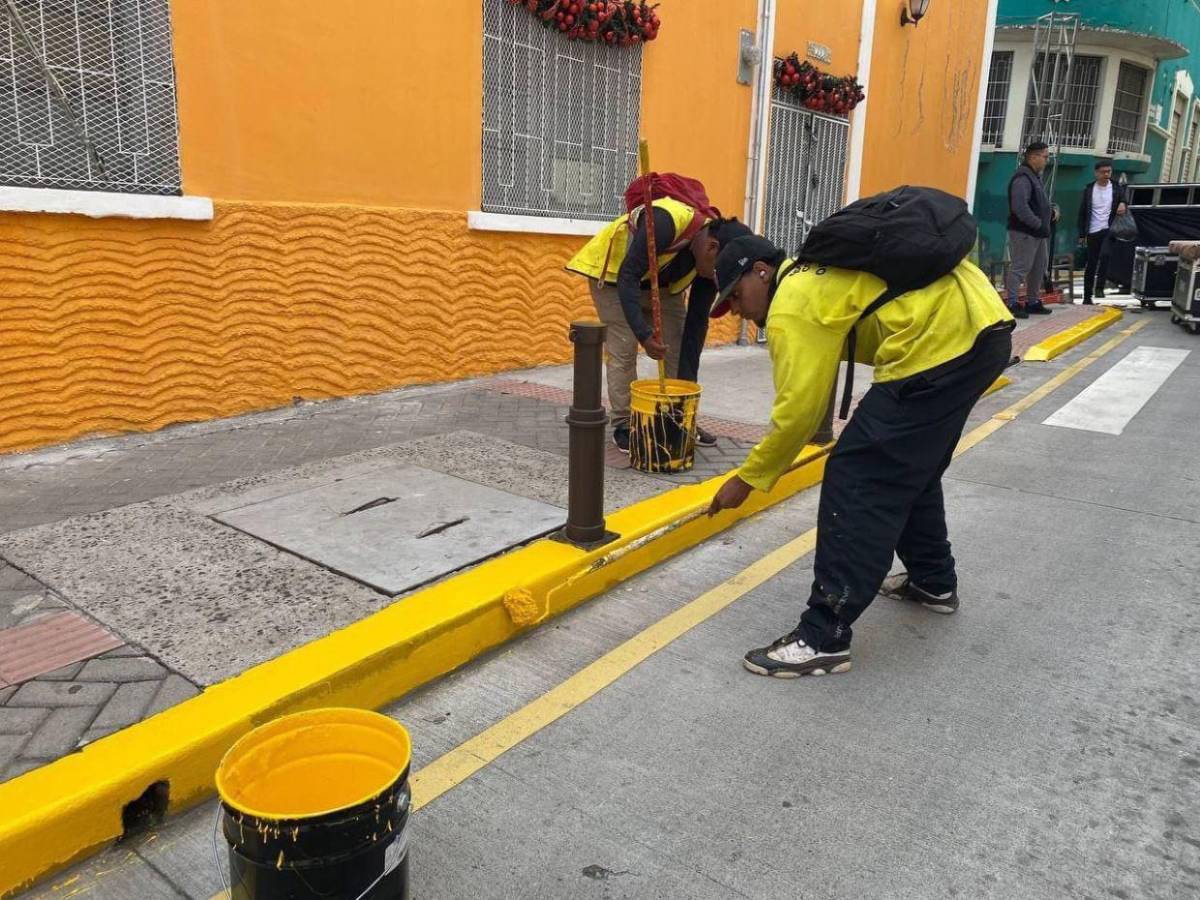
(1073, 336)
(57, 814)
(1002, 382)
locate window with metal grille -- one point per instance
(1189, 148)
(1174, 139)
(1067, 113)
(806, 171)
(87, 96)
(1129, 109)
(560, 119)
(995, 108)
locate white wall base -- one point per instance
(485, 221)
(101, 204)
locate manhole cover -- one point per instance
(396, 528)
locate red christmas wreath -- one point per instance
(623, 22)
(815, 89)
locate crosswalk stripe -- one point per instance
(1109, 403)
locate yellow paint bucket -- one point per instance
(662, 426)
(317, 805)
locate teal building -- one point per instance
(1132, 96)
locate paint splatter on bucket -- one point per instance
(662, 426)
(317, 805)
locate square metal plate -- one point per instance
(396, 528)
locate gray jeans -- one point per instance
(1029, 258)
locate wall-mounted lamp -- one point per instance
(913, 11)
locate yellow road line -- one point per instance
(459, 764)
(468, 758)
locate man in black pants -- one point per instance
(1102, 201)
(935, 351)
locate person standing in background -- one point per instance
(1030, 216)
(1102, 201)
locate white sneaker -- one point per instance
(790, 657)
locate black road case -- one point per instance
(1154, 270)
(1185, 305)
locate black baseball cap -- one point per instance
(728, 230)
(735, 260)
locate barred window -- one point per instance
(995, 108)
(1129, 109)
(1189, 148)
(806, 170)
(560, 119)
(1175, 139)
(1077, 97)
(87, 96)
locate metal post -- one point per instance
(586, 420)
(824, 434)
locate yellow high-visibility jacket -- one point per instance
(811, 315)
(601, 257)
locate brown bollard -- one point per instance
(587, 420)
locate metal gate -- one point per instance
(806, 171)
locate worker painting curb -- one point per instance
(1060, 343)
(61, 812)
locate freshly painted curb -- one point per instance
(57, 814)
(1073, 336)
(999, 384)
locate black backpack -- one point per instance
(908, 237)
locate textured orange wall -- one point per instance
(377, 102)
(119, 325)
(924, 86)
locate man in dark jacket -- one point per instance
(1029, 218)
(1102, 201)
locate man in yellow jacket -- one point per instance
(935, 351)
(616, 263)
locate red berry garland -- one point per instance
(623, 22)
(815, 89)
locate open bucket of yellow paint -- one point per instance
(317, 805)
(662, 425)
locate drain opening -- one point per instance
(442, 526)
(146, 811)
(372, 504)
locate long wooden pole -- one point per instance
(652, 256)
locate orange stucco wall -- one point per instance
(923, 92)
(381, 105)
(343, 148)
(837, 25)
(114, 325)
(694, 113)
(377, 102)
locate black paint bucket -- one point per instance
(316, 805)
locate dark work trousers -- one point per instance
(882, 491)
(1096, 271)
(695, 332)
